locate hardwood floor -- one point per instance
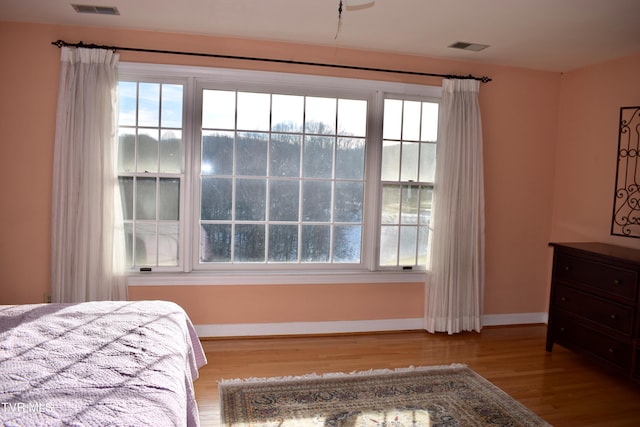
(562, 387)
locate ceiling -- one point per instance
(552, 35)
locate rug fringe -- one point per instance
(311, 376)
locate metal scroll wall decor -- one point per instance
(626, 208)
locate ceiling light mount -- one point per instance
(354, 5)
(358, 4)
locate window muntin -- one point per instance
(282, 178)
(410, 130)
(150, 171)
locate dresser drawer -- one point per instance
(570, 332)
(607, 313)
(604, 278)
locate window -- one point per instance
(230, 170)
(150, 171)
(281, 178)
(407, 172)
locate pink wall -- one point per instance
(290, 303)
(589, 114)
(520, 117)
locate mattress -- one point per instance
(98, 364)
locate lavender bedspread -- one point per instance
(98, 364)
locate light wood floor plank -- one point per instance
(562, 387)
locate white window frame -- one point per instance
(195, 78)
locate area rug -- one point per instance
(451, 395)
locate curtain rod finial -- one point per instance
(59, 43)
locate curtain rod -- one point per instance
(62, 43)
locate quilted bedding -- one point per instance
(98, 364)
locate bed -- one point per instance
(98, 364)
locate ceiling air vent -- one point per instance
(96, 10)
(469, 46)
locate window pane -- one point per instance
(251, 154)
(253, 111)
(128, 242)
(217, 153)
(218, 109)
(390, 161)
(423, 245)
(171, 106)
(390, 204)
(127, 97)
(349, 202)
(347, 244)
(249, 243)
(251, 199)
(169, 199)
(389, 246)
(146, 252)
(352, 117)
(149, 104)
(284, 200)
(350, 158)
(126, 150)
(316, 204)
(410, 200)
(426, 196)
(171, 151)
(408, 241)
(427, 162)
(410, 152)
(126, 196)
(429, 122)
(392, 119)
(168, 243)
(283, 243)
(411, 121)
(148, 150)
(215, 243)
(216, 200)
(286, 113)
(318, 156)
(316, 243)
(320, 115)
(285, 155)
(145, 199)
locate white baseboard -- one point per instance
(307, 328)
(513, 319)
(338, 327)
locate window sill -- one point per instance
(274, 278)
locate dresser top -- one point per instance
(619, 252)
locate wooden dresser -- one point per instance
(595, 304)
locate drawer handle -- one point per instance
(611, 351)
(563, 299)
(618, 281)
(567, 268)
(562, 329)
(613, 317)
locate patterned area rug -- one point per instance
(436, 396)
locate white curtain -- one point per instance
(86, 234)
(454, 287)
